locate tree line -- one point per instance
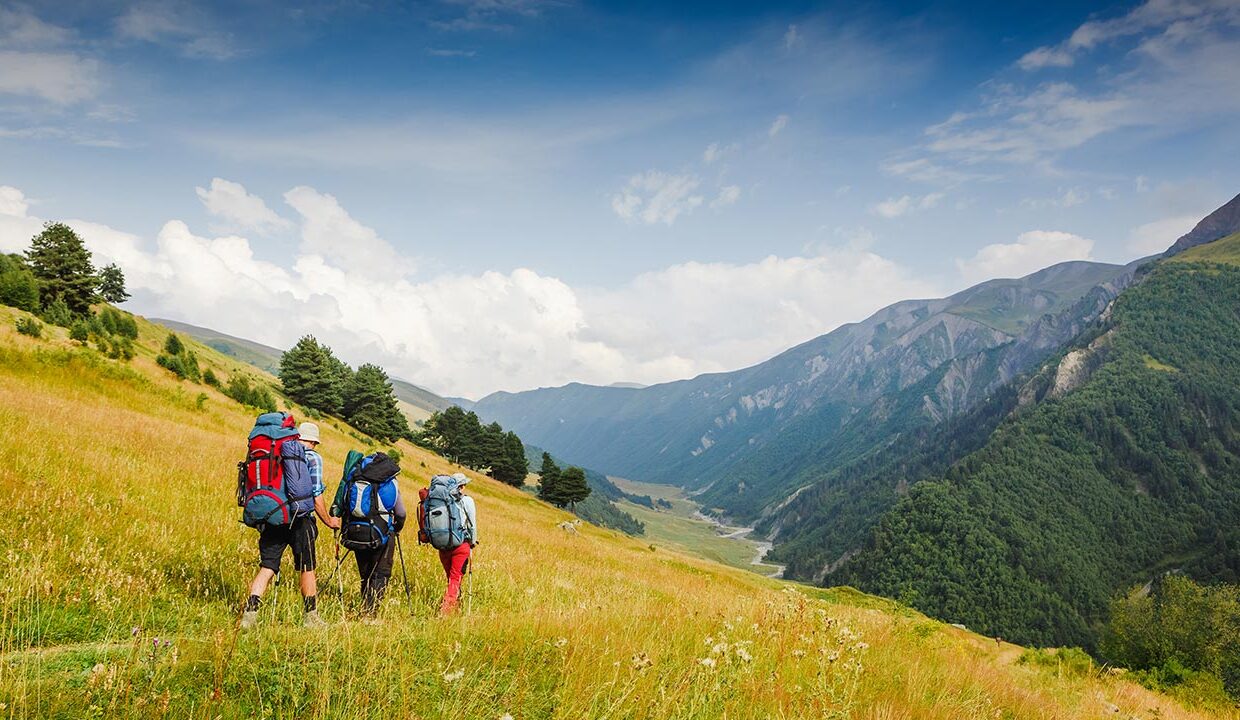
(462, 438)
(562, 488)
(313, 376)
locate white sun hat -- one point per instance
(309, 431)
(460, 479)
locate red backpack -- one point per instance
(261, 488)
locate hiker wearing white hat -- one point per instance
(310, 438)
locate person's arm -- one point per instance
(314, 462)
(320, 509)
(399, 514)
(472, 513)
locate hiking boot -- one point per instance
(249, 619)
(313, 620)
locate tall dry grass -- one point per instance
(123, 564)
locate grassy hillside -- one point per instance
(1129, 466)
(124, 564)
(417, 403)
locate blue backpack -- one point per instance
(368, 502)
(441, 520)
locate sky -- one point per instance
(486, 195)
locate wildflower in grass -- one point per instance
(641, 661)
(707, 662)
(743, 654)
(561, 642)
(798, 653)
(506, 716)
(719, 648)
(453, 675)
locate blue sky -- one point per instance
(501, 194)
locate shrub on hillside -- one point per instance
(58, 313)
(251, 395)
(18, 286)
(80, 332)
(209, 378)
(30, 326)
(178, 359)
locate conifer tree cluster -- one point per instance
(313, 376)
(56, 279)
(562, 488)
(462, 438)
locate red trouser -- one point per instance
(454, 563)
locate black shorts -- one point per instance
(300, 536)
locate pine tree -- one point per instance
(548, 480)
(62, 265)
(312, 376)
(572, 487)
(509, 464)
(112, 284)
(370, 405)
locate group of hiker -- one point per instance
(280, 489)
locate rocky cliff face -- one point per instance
(1220, 223)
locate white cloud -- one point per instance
(792, 38)
(179, 25)
(330, 232)
(1171, 68)
(61, 78)
(239, 209)
(1031, 252)
(657, 197)
(13, 202)
(470, 334)
(778, 126)
(895, 207)
(727, 196)
(19, 28)
(1045, 57)
(711, 153)
(1155, 237)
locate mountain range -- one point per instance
(822, 446)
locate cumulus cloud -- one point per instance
(777, 126)
(727, 196)
(657, 197)
(1155, 237)
(473, 333)
(1032, 251)
(905, 204)
(238, 209)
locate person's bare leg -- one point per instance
(309, 584)
(257, 587)
(261, 580)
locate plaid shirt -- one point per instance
(315, 463)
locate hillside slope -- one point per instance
(1121, 461)
(124, 566)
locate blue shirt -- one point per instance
(315, 463)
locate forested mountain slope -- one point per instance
(1121, 460)
(691, 432)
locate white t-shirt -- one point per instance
(471, 513)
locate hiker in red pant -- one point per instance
(448, 520)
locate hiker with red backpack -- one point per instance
(373, 514)
(280, 497)
(448, 521)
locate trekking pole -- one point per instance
(400, 550)
(469, 601)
